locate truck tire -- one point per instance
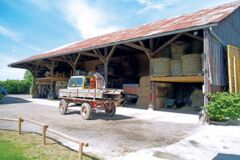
(86, 111)
(63, 106)
(110, 112)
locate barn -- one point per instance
(172, 61)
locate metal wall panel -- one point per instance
(229, 29)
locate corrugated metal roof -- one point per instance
(198, 19)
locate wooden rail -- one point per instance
(46, 128)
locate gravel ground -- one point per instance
(108, 137)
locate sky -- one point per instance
(29, 27)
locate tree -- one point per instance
(28, 77)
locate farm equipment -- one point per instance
(91, 93)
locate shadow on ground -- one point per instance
(222, 156)
(102, 116)
(13, 100)
(177, 110)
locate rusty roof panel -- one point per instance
(201, 18)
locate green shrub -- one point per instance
(16, 86)
(223, 106)
(1, 96)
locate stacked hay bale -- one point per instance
(178, 49)
(161, 66)
(197, 99)
(191, 64)
(176, 67)
(163, 90)
(143, 92)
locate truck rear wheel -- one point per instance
(63, 105)
(110, 112)
(86, 111)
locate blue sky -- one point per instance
(29, 27)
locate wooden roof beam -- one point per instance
(193, 36)
(167, 43)
(126, 48)
(110, 53)
(148, 53)
(135, 46)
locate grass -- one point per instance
(28, 146)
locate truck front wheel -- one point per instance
(63, 105)
(86, 111)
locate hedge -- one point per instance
(1, 96)
(16, 86)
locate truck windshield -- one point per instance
(75, 82)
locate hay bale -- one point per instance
(161, 66)
(163, 89)
(178, 49)
(160, 102)
(145, 81)
(176, 67)
(143, 102)
(197, 98)
(191, 64)
(143, 91)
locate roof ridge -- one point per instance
(156, 21)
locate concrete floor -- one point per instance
(130, 130)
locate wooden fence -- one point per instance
(46, 128)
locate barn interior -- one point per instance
(174, 76)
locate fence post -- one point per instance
(44, 130)
(20, 120)
(80, 152)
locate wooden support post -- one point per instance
(44, 130)
(74, 70)
(151, 85)
(51, 68)
(20, 120)
(154, 97)
(80, 151)
(106, 73)
(51, 84)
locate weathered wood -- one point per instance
(167, 43)
(132, 45)
(180, 79)
(110, 53)
(89, 54)
(48, 79)
(20, 125)
(193, 36)
(8, 119)
(60, 134)
(126, 48)
(77, 58)
(106, 73)
(154, 96)
(148, 53)
(32, 121)
(99, 56)
(151, 44)
(44, 130)
(80, 151)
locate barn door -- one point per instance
(234, 69)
